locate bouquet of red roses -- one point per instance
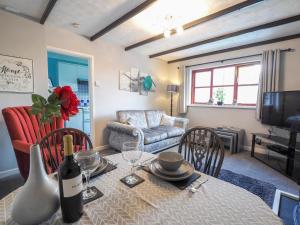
(62, 102)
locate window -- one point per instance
(238, 82)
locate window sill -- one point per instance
(223, 106)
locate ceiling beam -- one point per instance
(47, 11)
(123, 19)
(229, 35)
(275, 40)
(197, 22)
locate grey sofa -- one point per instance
(145, 128)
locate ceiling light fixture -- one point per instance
(170, 25)
(179, 30)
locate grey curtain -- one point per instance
(182, 102)
(269, 77)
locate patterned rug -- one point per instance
(264, 190)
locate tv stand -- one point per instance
(279, 153)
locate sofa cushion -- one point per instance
(170, 130)
(134, 118)
(152, 135)
(167, 120)
(153, 117)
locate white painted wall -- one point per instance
(243, 118)
(24, 38)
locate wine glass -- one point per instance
(89, 162)
(132, 153)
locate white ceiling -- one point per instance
(93, 15)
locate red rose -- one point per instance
(69, 101)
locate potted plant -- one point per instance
(220, 95)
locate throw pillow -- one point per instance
(167, 120)
(130, 121)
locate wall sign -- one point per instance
(16, 74)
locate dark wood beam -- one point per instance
(197, 22)
(123, 19)
(285, 38)
(229, 35)
(47, 11)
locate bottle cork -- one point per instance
(68, 145)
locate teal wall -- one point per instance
(55, 58)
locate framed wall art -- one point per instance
(16, 74)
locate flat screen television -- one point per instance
(281, 109)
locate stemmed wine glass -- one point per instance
(89, 162)
(132, 153)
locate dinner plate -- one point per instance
(186, 175)
(102, 166)
(184, 168)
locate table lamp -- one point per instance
(172, 88)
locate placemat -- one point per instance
(109, 168)
(182, 184)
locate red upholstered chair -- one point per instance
(22, 128)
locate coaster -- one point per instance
(135, 178)
(98, 195)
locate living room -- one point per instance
(153, 55)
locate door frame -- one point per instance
(90, 59)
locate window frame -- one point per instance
(235, 84)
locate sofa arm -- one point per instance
(123, 128)
(120, 133)
(21, 146)
(181, 122)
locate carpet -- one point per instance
(264, 190)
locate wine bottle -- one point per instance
(70, 184)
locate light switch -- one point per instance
(97, 83)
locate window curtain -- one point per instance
(182, 100)
(269, 77)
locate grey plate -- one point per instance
(102, 166)
(156, 172)
(184, 168)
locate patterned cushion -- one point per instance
(153, 117)
(167, 120)
(154, 135)
(137, 118)
(171, 131)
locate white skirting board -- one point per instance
(100, 148)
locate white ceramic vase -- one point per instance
(38, 199)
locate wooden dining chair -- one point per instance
(204, 149)
(52, 146)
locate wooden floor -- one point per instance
(241, 163)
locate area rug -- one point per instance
(264, 190)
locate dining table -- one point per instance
(156, 201)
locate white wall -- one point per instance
(243, 118)
(24, 38)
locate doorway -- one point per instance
(73, 69)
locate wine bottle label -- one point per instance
(72, 187)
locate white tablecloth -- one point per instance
(158, 202)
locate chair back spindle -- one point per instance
(52, 146)
(204, 149)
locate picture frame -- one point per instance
(16, 74)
